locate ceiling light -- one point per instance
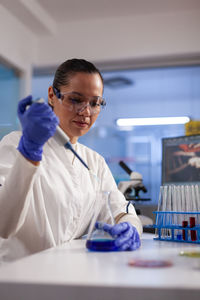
(117, 82)
(152, 121)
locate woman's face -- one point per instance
(76, 123)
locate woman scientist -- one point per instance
(47, 197)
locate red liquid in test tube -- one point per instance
(193, 232)
(184, 232)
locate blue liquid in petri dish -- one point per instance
(101, 245)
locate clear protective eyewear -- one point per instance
(75, 101)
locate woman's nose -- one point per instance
(85, 110)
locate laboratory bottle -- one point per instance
(98, 239)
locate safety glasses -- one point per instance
(77, 102)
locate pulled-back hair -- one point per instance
(69, 68)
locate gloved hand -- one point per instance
(39, 123)
(125, 234)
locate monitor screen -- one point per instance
(181, 160)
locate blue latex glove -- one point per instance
(39, 123)
(125, 235)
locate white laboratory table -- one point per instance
(71, 272)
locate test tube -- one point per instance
(179, 206)
(193, 199)
(188, 202)
(197, 197)
(166, 209)
(187, 208)
(164, 200)
(159, 214)
(174, 208)
(193, 208)
(179, 210)
(169, 209)
(193, 232)
(182, 191)
(185, 232)
(160, 199)
(183, 202)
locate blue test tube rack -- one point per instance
(167, 227)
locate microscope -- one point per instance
(131, 188)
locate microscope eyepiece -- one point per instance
(125, 167)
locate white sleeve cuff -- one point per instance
(134, 220)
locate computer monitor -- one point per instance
(181, 160)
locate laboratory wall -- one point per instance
(17, 48)
(9, 87)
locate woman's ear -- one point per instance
(51, 96)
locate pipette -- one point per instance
(64, 139)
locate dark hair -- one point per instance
(69, 68)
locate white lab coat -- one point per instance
(46, 205)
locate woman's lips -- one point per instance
(81, 124)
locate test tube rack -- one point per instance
(176, 226)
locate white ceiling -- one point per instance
(42, 16)
(71, 10)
